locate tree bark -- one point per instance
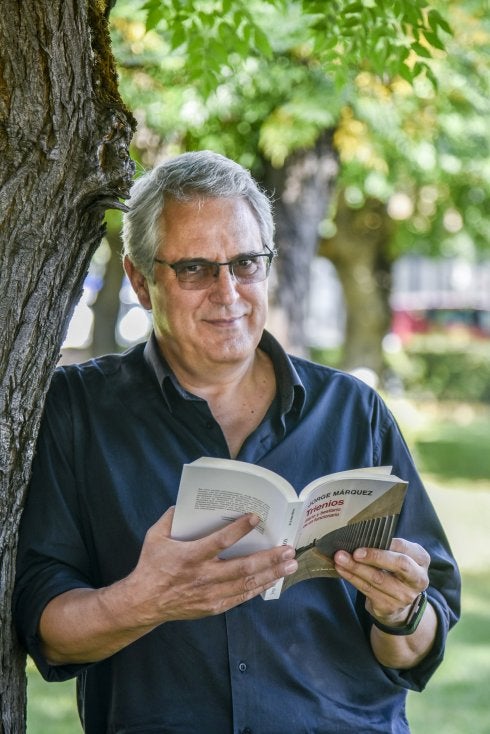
(64, 136)
(301, 192)
(360, 253)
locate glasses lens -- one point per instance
(250, 269)
(200, 274)
(194, 274)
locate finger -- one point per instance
(410, 569)
(162, 527)
(263, 566)
(164, 523)
(413, 550)
(251, 575)
(396, 577)
(215, 543)
(222, 585)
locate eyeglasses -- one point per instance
(198, 273)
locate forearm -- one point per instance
(403, 652)
(87, 625)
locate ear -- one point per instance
(139, 283)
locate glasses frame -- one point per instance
(190, 285)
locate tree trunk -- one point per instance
(360, 254)
(301, 192)
(64, 137)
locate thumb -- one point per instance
(163, 525)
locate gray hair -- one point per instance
(186, 177)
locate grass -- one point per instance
(450, 443)
(456, 699)
(51, 707)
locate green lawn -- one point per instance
(451, 447)
(456, 699)
(51, 707)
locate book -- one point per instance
(341, 511)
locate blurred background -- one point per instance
(381, 189)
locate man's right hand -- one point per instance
(187, 580)
(173, 580)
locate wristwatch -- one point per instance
(412, 622)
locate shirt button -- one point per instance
(242, 668)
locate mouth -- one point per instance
(224, 323)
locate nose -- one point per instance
(224, 287)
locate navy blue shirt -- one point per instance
(115, 434)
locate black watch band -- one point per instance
(414, 616)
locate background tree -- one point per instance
(411, 135)
(414, 163)
(265, 84)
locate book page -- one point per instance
(213, 493)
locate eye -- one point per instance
(248, 262)
(192, 269)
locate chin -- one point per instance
(232, 350)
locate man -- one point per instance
(163, 635)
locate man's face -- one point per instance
(223, 323)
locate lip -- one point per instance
(223, 323)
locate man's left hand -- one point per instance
(390, 579)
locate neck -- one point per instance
(218, 379)
(238, 395)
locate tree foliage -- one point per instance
(340, 33)
(278, 71)
(424, 150)
(408, 98)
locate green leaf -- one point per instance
(353, 20)
(421, 50)
(406, 73)
(178, 36)
(261, 42)
(154, 15)
(434, 40)
(437, 21)
(353, 8)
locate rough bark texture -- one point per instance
(301, 191)
(64, 136)
(360, 254)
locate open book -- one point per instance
(342, 511)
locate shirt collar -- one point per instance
(291, 390)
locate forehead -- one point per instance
(205, 227)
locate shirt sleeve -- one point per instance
(52, 556)
(419, 523)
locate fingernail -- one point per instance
(341, 557)
(254, 520)
(360, 553)
(288, 553)
(290, 567)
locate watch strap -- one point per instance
(413, 619)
